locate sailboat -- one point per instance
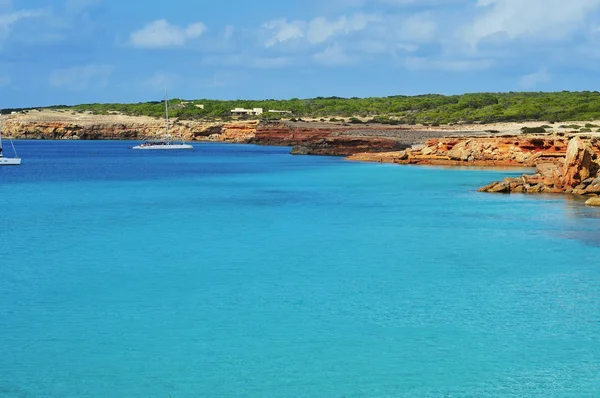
(8, 161)
(166, 142)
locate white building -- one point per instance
(276, 111)
(243, 111)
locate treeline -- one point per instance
(427, 109)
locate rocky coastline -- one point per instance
(336, 139)
(564, 162)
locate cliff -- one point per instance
(577, 172)
(305, 138)
(523, 151)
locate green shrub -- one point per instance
(533, 130)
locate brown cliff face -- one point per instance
(477, 151)
(577, 172)
(563, 164)
(324, 140)
(54, 125)
(334, 140)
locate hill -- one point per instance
(430, 109)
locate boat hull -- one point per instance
(10, 161)
(163, 147)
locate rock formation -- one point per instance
(578, 172)
(525, 151)
(305, 138)
(595, 201)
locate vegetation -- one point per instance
(431, 109)
(533, 130)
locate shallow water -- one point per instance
(237, 270)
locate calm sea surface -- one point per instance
(243, 271)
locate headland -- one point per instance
(566, 156)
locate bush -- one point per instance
(533, 130)
(354, 120)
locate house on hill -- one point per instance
(250, 112)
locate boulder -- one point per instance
(579, 162)
(593, 187)
(593, 201)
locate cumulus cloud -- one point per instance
(537, 19)
(81, 78)
(9, 19)
(320, 29)
(161, 34)
(283, 31)
(316, 31)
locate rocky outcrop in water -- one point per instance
(578, 172)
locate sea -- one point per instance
(244, 271)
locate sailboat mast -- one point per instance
(167, 114)
(0, 133)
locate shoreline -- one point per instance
(567, 160)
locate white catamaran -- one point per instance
(8, 161)
(166, 142)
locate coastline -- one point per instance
(481, 145)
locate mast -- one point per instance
(167, 115)
(0, 133)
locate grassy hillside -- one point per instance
(429, 109)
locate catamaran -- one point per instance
(8, 161)
(166, 142)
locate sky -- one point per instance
(69, 52)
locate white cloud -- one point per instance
(316, 31)
(284, 31)
(534, 79)
(161, 34)
(82, 77)
(537, 19)
(333, 55)
(320, 29)
(8, 20)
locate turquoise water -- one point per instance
(243, 271)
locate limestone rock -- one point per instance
(579, 164)
(593, 201)
(578, 174)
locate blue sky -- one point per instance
(83, 51)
